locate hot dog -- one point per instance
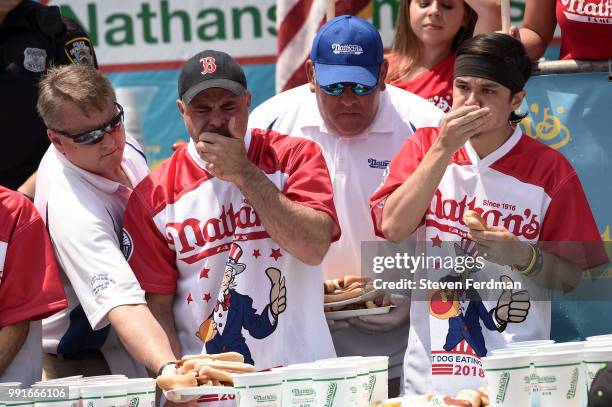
(470, 395)
(474, 221)
(177, 382)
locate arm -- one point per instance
(142, 335)
(12, 338)
(404, 209)
(28, 187)
(489, 15)
(303, 231)
(539, 24)
(161, 309)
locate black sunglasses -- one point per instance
(336, 89)
(95, 136)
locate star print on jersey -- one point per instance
(256, 253)
(276, 253)
(204, 272)
(207, 297)
(437, 242)
(189, 299)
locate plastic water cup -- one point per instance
(560, 378)
(509, 379)
(334, 384)
(262, 389)
(140, 392)
(531, 344)
(594, 360)
(110, 394)
(297, 386)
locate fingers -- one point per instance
(233, 129)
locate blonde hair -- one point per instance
(80, 84)
(408, 48)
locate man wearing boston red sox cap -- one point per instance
(234, 199)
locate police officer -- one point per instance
(32, 38)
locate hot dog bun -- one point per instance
(474, 221)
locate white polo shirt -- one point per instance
(84, 216)
(524, 186)
(356, 165)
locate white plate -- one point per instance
(352, 313)
(193, 393)
(362, 298)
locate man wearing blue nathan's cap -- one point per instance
(360, 123)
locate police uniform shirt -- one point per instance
(32, 39)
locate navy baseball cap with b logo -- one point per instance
(347, 49)
(210, 69)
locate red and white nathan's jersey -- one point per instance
(30, 285)
(586, 28)
(189, 229)
(524, 186)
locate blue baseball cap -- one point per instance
(347, 49)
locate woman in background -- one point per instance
(427, 34)
(586, 28)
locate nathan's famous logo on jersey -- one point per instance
(523, 223)
(186, 236)
(599, 12)
(378, 164)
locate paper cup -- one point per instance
(379, 376)
(335, 386)
(599, 338)
(140, 392)
(21, 403)
(595, 359)
(531, 344)
(297, 388)
(263, 389)
(512, 351)
(111, 394)
(71, 399)
(360, 393)
(104, 378)
(560, 347)
(560, 378)
(509, 379)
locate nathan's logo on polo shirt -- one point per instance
(347, 49)
(378, 164)
(520, 223)
(101, 282)
(127, 245)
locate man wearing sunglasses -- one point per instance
(84, 181)
(360, 122)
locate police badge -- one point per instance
(35, 59)
(78, 51)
